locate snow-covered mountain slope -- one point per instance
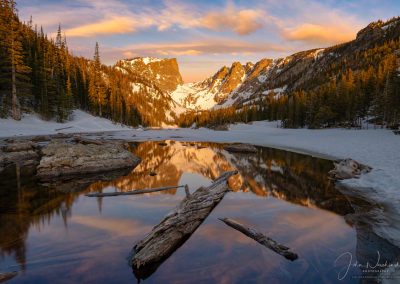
(240, 84)
(306, 70)
(214, 90)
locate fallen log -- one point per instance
(5, 276)
(240, 148)
(132, 192)
(166, 237)
(58, 129)
(261, 238)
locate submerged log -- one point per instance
(177, 227)
(132, 192)
(261, 238)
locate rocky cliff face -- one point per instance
(241, 84)
(163, 72)
(214, 90)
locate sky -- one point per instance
(204, 35)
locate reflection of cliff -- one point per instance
(292, 177)
(289, 176)
(169, 162)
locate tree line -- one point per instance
(40, 74)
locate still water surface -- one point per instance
(54, 234)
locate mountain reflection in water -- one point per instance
(54, 230)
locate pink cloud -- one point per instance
(320, 34)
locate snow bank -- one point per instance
(81, 121)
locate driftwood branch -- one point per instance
(261, 238)
(177, 227)
(132, 192)
(58, 129)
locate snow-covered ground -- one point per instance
(81, 121)
(378, 148)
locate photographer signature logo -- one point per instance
(375, 267)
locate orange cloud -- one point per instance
(116, 25)
(206, 46)
(186, 16)
(242, 22)
(320, 34)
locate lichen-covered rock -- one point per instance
(62, 159)
(348, 168)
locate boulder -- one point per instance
(62, 159)
(348, 168)
(240, 148)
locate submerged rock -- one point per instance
(241, 148)
(62, 159)
(348, 168)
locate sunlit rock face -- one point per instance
(162, 72)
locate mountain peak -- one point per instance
(164, 72)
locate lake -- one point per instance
(53, 233)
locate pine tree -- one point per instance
(96, 90)
(14, 71)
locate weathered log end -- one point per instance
(261, 238)
(173, 231)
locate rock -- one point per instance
(221, 127)
(62, 135)
(348, 168)
(41, 138)
(19, 146)
(61, 159)
(241, 148)
(396, 132)
(85, 141)
(22, 153)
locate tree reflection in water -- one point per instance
(295, 178)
